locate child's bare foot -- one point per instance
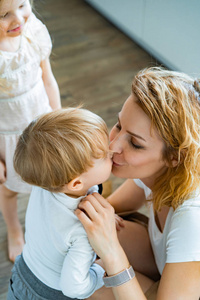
(15, 244)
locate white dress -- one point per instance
(22, 93)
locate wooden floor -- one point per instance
(94, 64)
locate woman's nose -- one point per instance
(116, 144)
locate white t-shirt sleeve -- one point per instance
(80, 276)
(140, 184)
(183, 240)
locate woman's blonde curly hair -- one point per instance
(172, 101)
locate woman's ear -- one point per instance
(177, 159)
(75, 185)
(174, 162)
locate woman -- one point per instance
(156, 146)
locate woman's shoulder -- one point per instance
(183, 237)
(188, 212)
(140, 184)
(192, 203)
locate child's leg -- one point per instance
(8, 205)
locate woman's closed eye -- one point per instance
(132, 142)
(135, 145)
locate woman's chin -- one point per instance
(117, 172)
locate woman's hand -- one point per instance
(98, 219)
(2, 172)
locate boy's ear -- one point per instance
(75, 184)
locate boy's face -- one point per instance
(100, 171)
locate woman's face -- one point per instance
(137, 147)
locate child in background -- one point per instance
(27, 89)
(65, 155)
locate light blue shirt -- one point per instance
(57, 249)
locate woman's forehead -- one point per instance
(136, 121)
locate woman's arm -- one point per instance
(50, 84)
(127, 197)
(180, 281)
(97, 217)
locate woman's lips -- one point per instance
(116, 164)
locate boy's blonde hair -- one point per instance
(59, 146)
(172, 101)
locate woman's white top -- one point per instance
(57, 249)
(22, 93)
(180, 239)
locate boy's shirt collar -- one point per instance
(70, 202)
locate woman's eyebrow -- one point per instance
(136, 135)
(132, 133)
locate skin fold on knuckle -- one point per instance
(83, 204)
(111, 210)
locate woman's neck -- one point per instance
(148, 182)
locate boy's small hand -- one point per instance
(2, 172)
(118, 222)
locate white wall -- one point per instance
(168, 29)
